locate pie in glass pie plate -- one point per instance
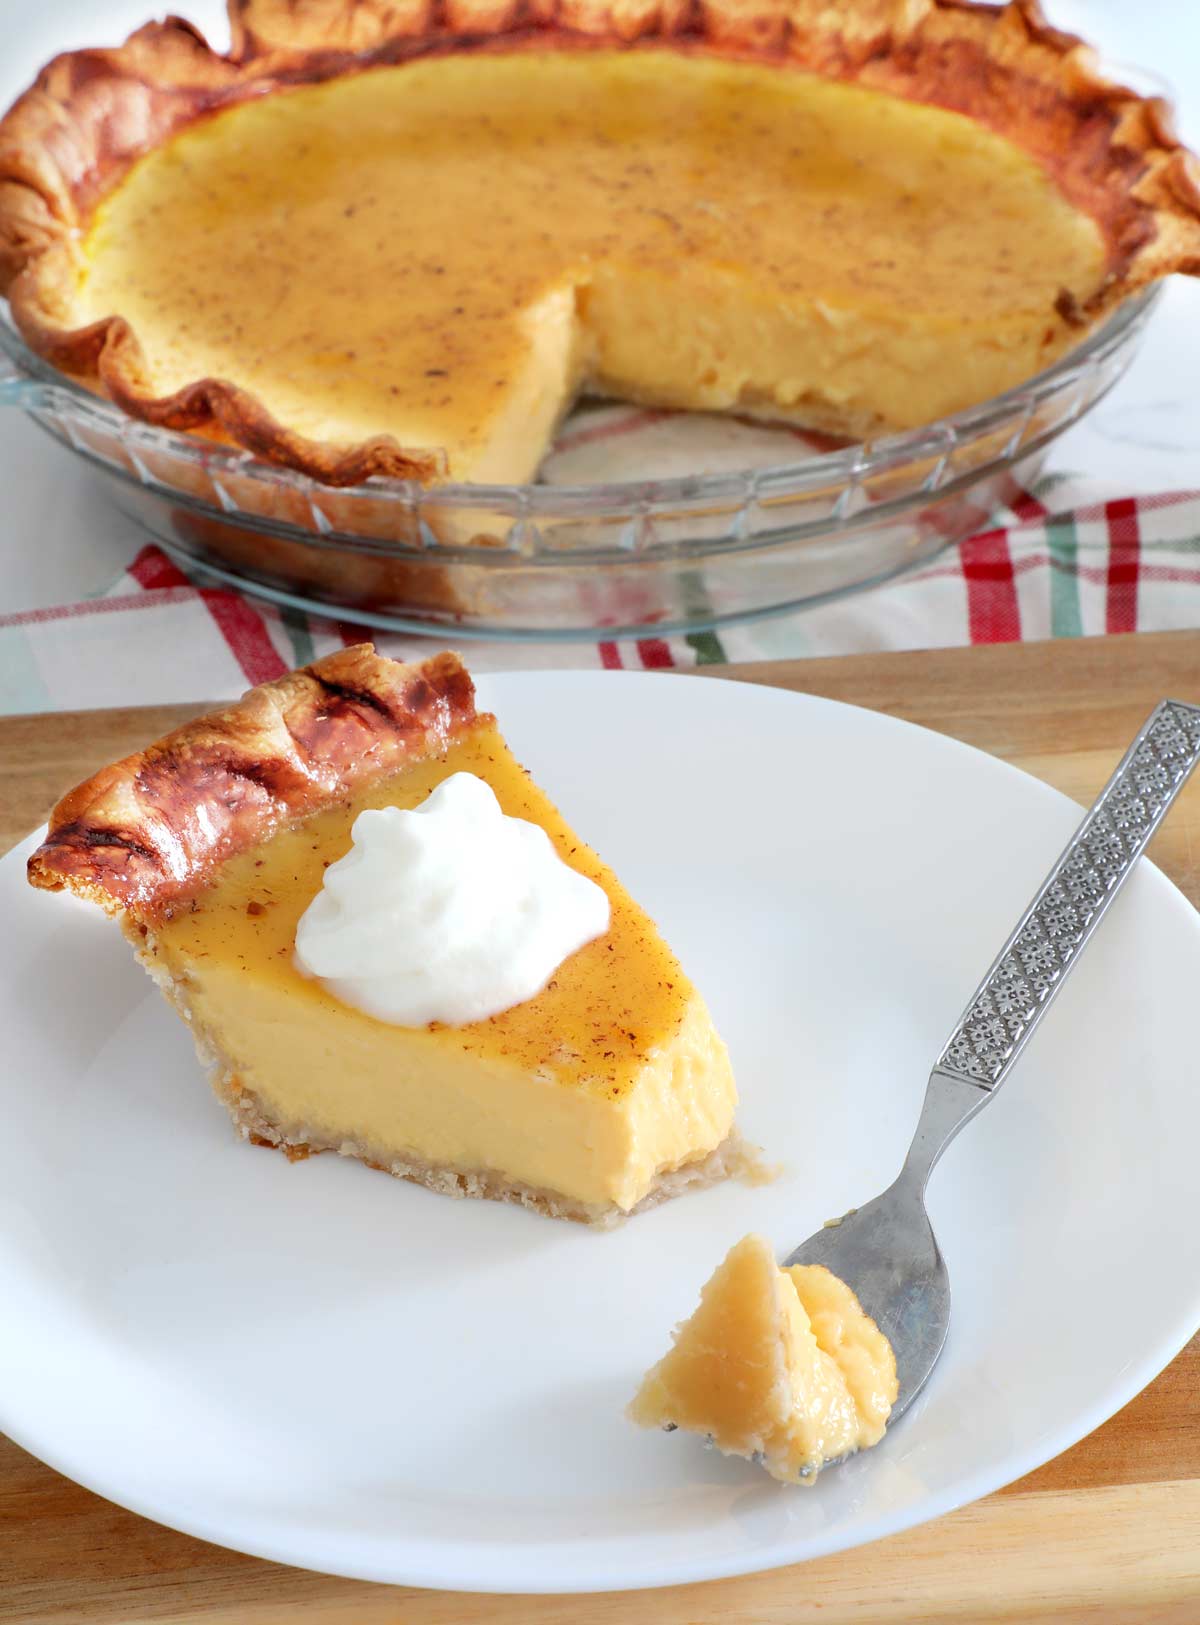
(400, 241)
(395, 245)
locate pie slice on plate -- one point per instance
(376, 239)
(602, 1094)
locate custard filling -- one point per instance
(608, 1078)
(780, 1365)
(449, 250)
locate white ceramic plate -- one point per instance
(331, 1368)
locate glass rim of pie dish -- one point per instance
(845, 497)
(891, 448)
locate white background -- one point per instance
(60, 541)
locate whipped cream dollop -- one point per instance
(451, 912)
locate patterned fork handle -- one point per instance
(1033, 963)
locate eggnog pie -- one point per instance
(599, 1093)
(376, 239)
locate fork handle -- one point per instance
(1034, 962)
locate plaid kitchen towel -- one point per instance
(1066, 561)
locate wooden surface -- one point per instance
(1110, 1532)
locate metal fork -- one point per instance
(887, 1250)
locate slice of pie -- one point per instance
(379, 239)
(780, 1365)
(602, 1094)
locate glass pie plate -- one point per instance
(553, 561)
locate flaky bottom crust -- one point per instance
(733, 1158)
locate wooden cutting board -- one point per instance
(1109, 1532)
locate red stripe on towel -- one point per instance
(246, 634)
(153, 570)
(1124, 550)
(993, 615)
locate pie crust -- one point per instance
(92, 114)
(146, 832)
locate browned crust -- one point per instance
(144, 833)
(90, 114)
